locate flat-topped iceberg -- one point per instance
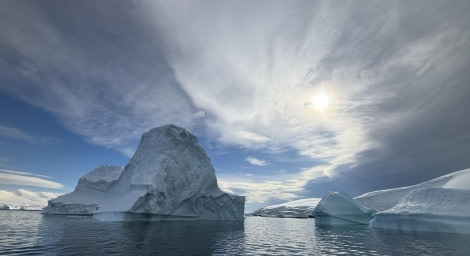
(428, 209)
(438, 205)
(302, 208)
(338, 208)
(385, 199)
(170, 176)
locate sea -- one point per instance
(30, 233)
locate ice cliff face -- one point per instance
(302, 208)
(169, 175)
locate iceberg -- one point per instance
(338, 208)
(170, 176)
(428, 209)
(385, 199)
(302, 208)
(438, 205)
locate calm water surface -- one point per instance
(30, 233)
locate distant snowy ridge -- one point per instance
(170, 175)
(302, 208)
(22, 199)
(385, 199)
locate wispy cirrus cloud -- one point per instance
(27, 179)
(244, 74)
(96, 91)
(14, 133)
(256, 67)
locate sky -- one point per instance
(290, 99)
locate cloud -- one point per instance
(108, 91)
(256, 67)
(244, 74)
(27, 179)
(14, 133)
(23, 197)
(255, 161)
(25, 173)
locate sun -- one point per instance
(320, 101)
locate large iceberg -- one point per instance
(428, 209)
(338, 208)
(385, 199)
(170, 176)
(302, 208)
(438, 205)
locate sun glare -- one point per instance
(320, 101)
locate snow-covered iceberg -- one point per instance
(385, 199)
(169, 176)
(302, 208)
(428, 209)
(338, 208)
(439, 205)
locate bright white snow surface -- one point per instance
(385, 199)
(438, 205)
(428, 209)
(338, 208)
(302, 208)
(22, 199)
(170, 175)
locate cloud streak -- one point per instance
(14, 133)
(27, 179)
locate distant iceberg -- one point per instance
(170, 176)
(302, 208)
(338, 208)
(428, 209)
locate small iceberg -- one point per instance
(338, 208)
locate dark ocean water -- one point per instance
(30, 233)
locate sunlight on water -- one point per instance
(23, 233)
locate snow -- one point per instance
(105, 173)
(170, 174)
(338, 208)
(386, 199)
(22, 199)
(302, 208)
(428, 209)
